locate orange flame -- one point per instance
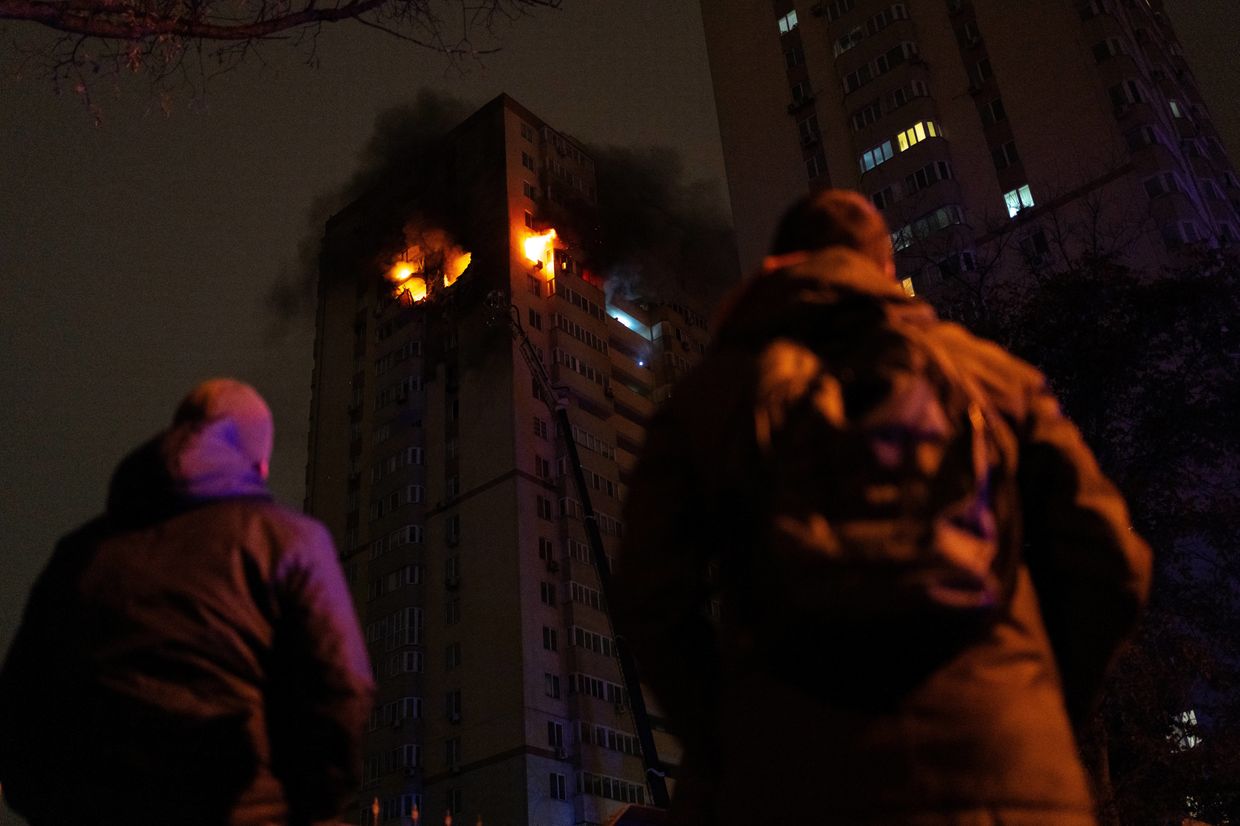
(455, 265)
(540, 249)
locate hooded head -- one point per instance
(241, 413)
(835, 218)
(219, 445)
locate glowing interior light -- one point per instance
(540, 249)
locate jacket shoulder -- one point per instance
(1008, 381)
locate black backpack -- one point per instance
(881, 488)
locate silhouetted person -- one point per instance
(191, 656)
(921, 574)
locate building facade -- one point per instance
(434, 461)
(989, 133)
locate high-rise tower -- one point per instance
(434, 461)
(981, 128)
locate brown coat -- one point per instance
(975, 733)
(190, 657)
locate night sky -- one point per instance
(135, 258)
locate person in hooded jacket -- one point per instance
(191, 656)
(863, 724)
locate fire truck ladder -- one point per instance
(559, 410)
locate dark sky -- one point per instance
(135, 258)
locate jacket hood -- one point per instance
(189, 464)
(802, 291)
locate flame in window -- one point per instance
(540, 250)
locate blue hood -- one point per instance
(187, 465)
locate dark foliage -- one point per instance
(1148, 365)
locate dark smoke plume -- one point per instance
(657, 233)
(402, 136)
(652, 234)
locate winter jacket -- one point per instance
(969, 729)
(192, 656)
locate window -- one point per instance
(544, 507)
(551, 685)
(1036, 249)
(534, 283)
(528, 190)
(546, 593)
(527, 161)
(970, 34)
(883, 198)
(540, 427)
(855, 80)
(926, 225)
(549, 639)
(866, 115)
(982, 71)
(808, 127)
(1018, 199)
(793, 57)
(1176, 110)
(529, 219)
(816, 165)
(1125, 94)
(993, 112)
(535, 318)
(801, 93)
(555, 734)
(1104, 50)
(876, 156)
(413, 494)
(963, 261)
(1005, 155)
(838, 8)
(452, 611)
(1162, 183)
(906, 284)
(455, 806)
(788, 22)
(453, 702)
(848, 41)
(527, 132)
(559, 786)
(1093, 9)
(917, 133)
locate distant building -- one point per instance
(983, 129)
(435, 464)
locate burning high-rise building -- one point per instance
(435, 462)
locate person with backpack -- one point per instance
(871, 573)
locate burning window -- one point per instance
(430, 259)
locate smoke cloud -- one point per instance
(402, 136)
(653, 234)
(657, 233)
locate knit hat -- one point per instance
(217, 399)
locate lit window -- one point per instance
(1018, 199)
(907, 284)
(1176, 111)
(788, 22)
(917, 133)
(878, 155)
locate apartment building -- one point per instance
(434, 461)
(1017, 134)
